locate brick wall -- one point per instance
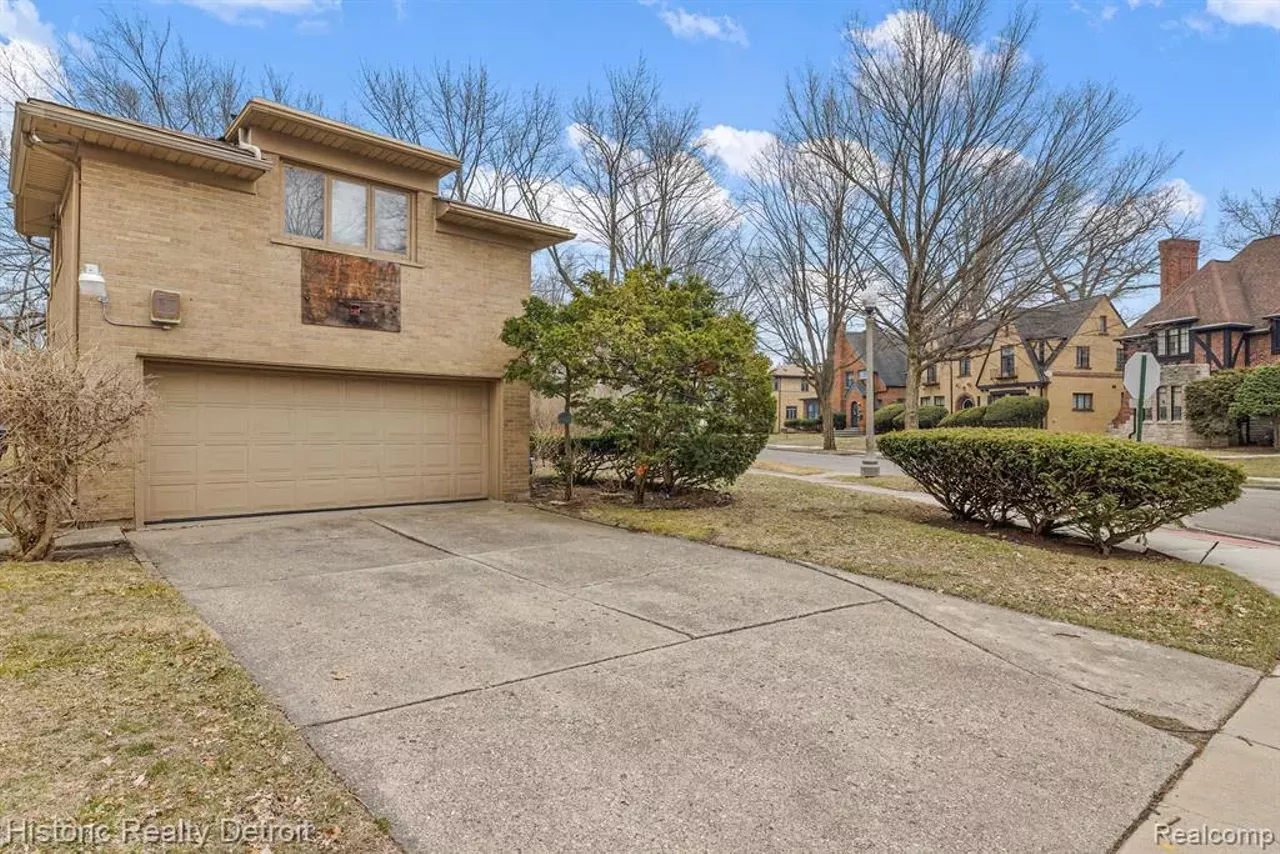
(241, 299)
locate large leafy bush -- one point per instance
(971, 417)
(1106, 489)
(1209, 404)
(1016, 411)
(1259, 397)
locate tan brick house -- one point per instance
(321, 329)
(1067, 352)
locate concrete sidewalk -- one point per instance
(1233, 787)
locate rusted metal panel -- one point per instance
(349, 291)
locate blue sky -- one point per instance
(1205, 74)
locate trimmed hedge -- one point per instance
(927, 417)
(837, 421)
(1108, 490)
(1016, 411)
(971, 417)
(886, 416)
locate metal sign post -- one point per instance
(1141, 378)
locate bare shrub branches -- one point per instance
(64, 418)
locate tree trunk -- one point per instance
(568, 450)
(911, 416)
(1275, 432)
(828, 423)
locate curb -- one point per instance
(1262, 541)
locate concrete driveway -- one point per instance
(490, 676)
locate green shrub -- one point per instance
(1259, 397)
(927, 417)
(885, 416)
(593, 455)
(712, 459)
(1106, 489)
(971, 417)
(803, 423)
(1209, 404)
(1016, 411)
(839, 420)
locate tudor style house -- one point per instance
(1067, 352)
(1225, 314)
(849, 395)
(320, 328)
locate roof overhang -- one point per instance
(1229, 324)
(534, 235)
(1173, 321)
(41, 163)
(278, 118)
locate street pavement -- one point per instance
(1256, 514)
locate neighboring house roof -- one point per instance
(891, 358)
(1060, 320)
(1244, 291)
(788, 371)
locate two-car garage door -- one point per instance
(229, 441)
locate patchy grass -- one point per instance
(118, 703)
(1260, 466)
(814, 440)
(1203, 609)
(900, 482)
(785, 468)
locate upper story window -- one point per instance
(1007, 367)
(345, 213)
(1174, 341)
(848, 380)
(1102, 324)
(1120, 359)
(931, 375)
(777, 383)
(1082, 357)
(804, 385)
(964, 366)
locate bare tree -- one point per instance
(642, 188)
(970, 159)
(128, 67)
(1111, 248)
(1243, 219)
(803, 270)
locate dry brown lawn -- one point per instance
(814, 440)
(117, 703)
(900, 482)
(1203, 609)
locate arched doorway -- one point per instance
(965, 402)
(855, 416)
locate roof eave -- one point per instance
(437, 164)
(537, 235)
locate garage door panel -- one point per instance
(222, 463)
(227, 442)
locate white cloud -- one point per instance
(250, 11)
(1264, 12)
(20, 21)
(1108, 12)
(27, 49)
(1186, 200)
(691, 26)
(736, 148)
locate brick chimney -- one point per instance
(1179, 258)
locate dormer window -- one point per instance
(344, 213)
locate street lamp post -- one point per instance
(870, 463)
